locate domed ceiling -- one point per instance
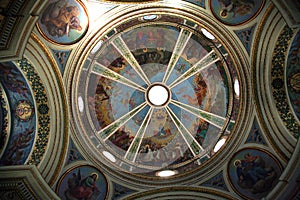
(156, 95)
(149, 99)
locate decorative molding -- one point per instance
(277, 78)
(44, 63)
(268, 29)
(10, 21)
(43, 111)
(290, 10)
(18, 20)
(181, 192)
(24, 182)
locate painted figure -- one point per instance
(59, 18)
(240, 7)
(253, 174)
(15, 152)
(82, 189)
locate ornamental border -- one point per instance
(42, 106)
(277, 81)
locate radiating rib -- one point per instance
(101, 70)
(211, 118)
(132, 151)
(182, 40)
(192, 143)
(121, 46)
(206, 61)
(108, 131)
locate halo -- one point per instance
(223, 16)
(237, 162)
(94, 173)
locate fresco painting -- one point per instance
(256, 135)
(121, 191)
(82, 182)
(73, 153)
(253, 172)
(63, 21)
(23, 118)
(217, 182)
(61, 58)
(246, 37)
(158, 150)
(293, 74)
(113, 60)
(142, 135)
(235, 12)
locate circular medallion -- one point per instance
(155, 99)
(294, 81)
(63, 21)
(24, 110)
(82, 182)
(253, 172)
(235, 12)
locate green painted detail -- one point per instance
(134, 147)
(195, 147)
(205, 62)
(278, 76)
(106, 72)
(190, 23)
(190, 140)
(122, 47)
(43, 118)
(111, 33)
(103, 71)
(215, 120)
(112, 128)
(182, 40)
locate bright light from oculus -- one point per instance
(80, 104)
(236, 87)
(166, 173)
(109, 156)
(149, 17)
(158, 95)
(219, 144)
(207, 34)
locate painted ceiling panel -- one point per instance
(180, 99)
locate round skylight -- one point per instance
(158, 95)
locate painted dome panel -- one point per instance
(121, 116)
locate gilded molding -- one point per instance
(166, 191)
(65, 122)
(43, 111)
(255, 86)
(277, 77)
